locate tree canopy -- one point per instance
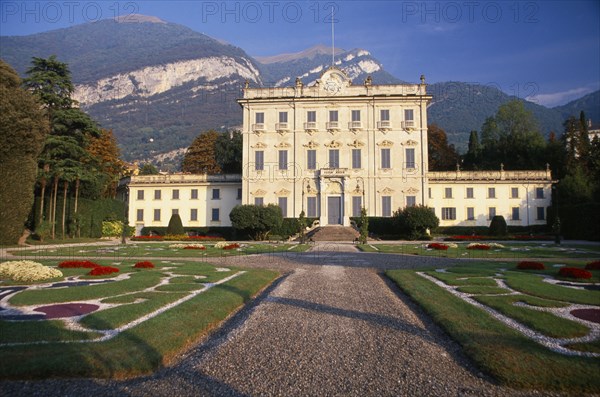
(256, 220)
(228, 152)
(442, 156)
(23, 128)
(200, 156)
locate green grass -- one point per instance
(121, 315)
(38, 331)
(500, 351)
(463, 279)
(142, 349)
(533, 285)
(543, 322)
(482, 290)
(511, 251)
(586, 347)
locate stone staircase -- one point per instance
(333, 233)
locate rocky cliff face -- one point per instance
(153, 80)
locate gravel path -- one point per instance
(331, 326)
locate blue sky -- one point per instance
(548, 51)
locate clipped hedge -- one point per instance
(227, 232)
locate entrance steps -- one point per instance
(333, 233)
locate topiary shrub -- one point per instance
(414, 222)
(175, 226)
(530, 265)
(573, 272)
(498, 226)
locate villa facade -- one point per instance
(331, 148)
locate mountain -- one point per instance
(590, 104)
(157, 84)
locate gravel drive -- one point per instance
(332, 325)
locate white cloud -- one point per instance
(559, 98)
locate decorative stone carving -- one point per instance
(282, 192)
(410, 142)
(356, 144)
(283, 145)
(311, 145)
(259, 193)
(386, 190)
(334, 187)
(333, 144)
(410, 190)
(385, 143)
(259, 145)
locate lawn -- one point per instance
(145, 318)
(157, 250)
(511, 250)
(503, 352)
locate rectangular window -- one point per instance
(311, 207)
(139, 216)
(539, 192)
(334, 158)
(175, 195)
(282, 202)
(448, 213)
(448, 192)
(140, 194)
(311, 159)
(514, 192)
(283, 160)
(259, 160)
(409, 115)
(216, 194)
(239, 194)
(491, 213)
(385, 158)
(470, 192)
(429, 193)
(356, 157)
(157, 215)
(410, 158)
(386, 205)
(384, 115)
(311, 116)
(356, 115)
(175, 211)
(215, 215)
(516, 214)
(259, 201)
(259, 118)
(356, 205)
(411, 201)
(333, 115)
(470, 213)
(157, 194)
(194, 195)
(492, 192)
(283, 117)
(541, 213)
(193, 214)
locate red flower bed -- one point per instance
(530, 265)
(206, 238)
(483, 247)
(231, 246)
(147, 238)
(595, 265)
(437, 246)
(573, 272)
(465, 238)
(78, 264)
(144, 265)
(103, 270)
(193, 247)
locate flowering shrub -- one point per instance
(188, 246)
(495, 245)
(530, 265)
(573, 272)
(478, 246)
(231, 246)
(78, 264)
(465, 238)
(593, 266)
(103, 271)
(27, 271)
(194, 247)
(221, 244)
(206, 238)
(144, 265)
(438, 246)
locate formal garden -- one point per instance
(529, 324)
(101, 318)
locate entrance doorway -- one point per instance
(334, 210)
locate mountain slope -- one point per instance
(590, 104)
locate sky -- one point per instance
(545, 51)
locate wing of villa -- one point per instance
(331, 148)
